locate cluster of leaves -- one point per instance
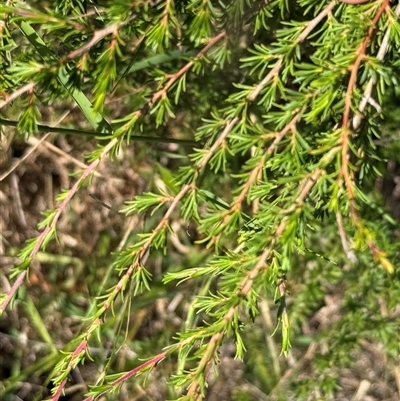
(269, 90)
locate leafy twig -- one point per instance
(347, 109)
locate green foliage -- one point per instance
(278, 186)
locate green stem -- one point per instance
(99, 135)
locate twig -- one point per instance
(33, 148)
(309, 27)
(256, 173)
(245, 287)
(66, 156)
(313, 23)
(17, 199)
(345, 172)
(370, 85)
(396, 373)
(299, 364)
(265, 313)
(163, 92)
(308, 184)
(228, 128)
(342, 234)
(274, 72)
(362, 391)
(9, 98)
(354, 68)
(347, 109)
(23, 158)
(97, 36)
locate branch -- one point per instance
(148, 364)
(308, 184)
(97, 36)
(345, 245)
(9, 98)
(273, 73)
(217, 144)
(368, 90)
(245, 287)
(163, 92)
(347, 109)
(256, 172)
(313, 23)
(307, 30)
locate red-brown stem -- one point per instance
(252, 274)
(347, 109)
(256, 172)
(247, 284)
(244, 290)
(161, 93)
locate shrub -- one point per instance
(258, 128)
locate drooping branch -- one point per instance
(345, 173)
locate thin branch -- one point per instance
(228, 128)
(256, 172)
(245, 287)
(371, 83)
(9, 98)
(308, 356)
(347, 109)
(164, 220)
(97, 36)
(209, 353)
(24, 157)
(354, 68)
(33, 148)
(314, 22)
(273, 73)
(308, 184)
(164, 20)
(163, 92)
(342, 234)
(309, 27)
